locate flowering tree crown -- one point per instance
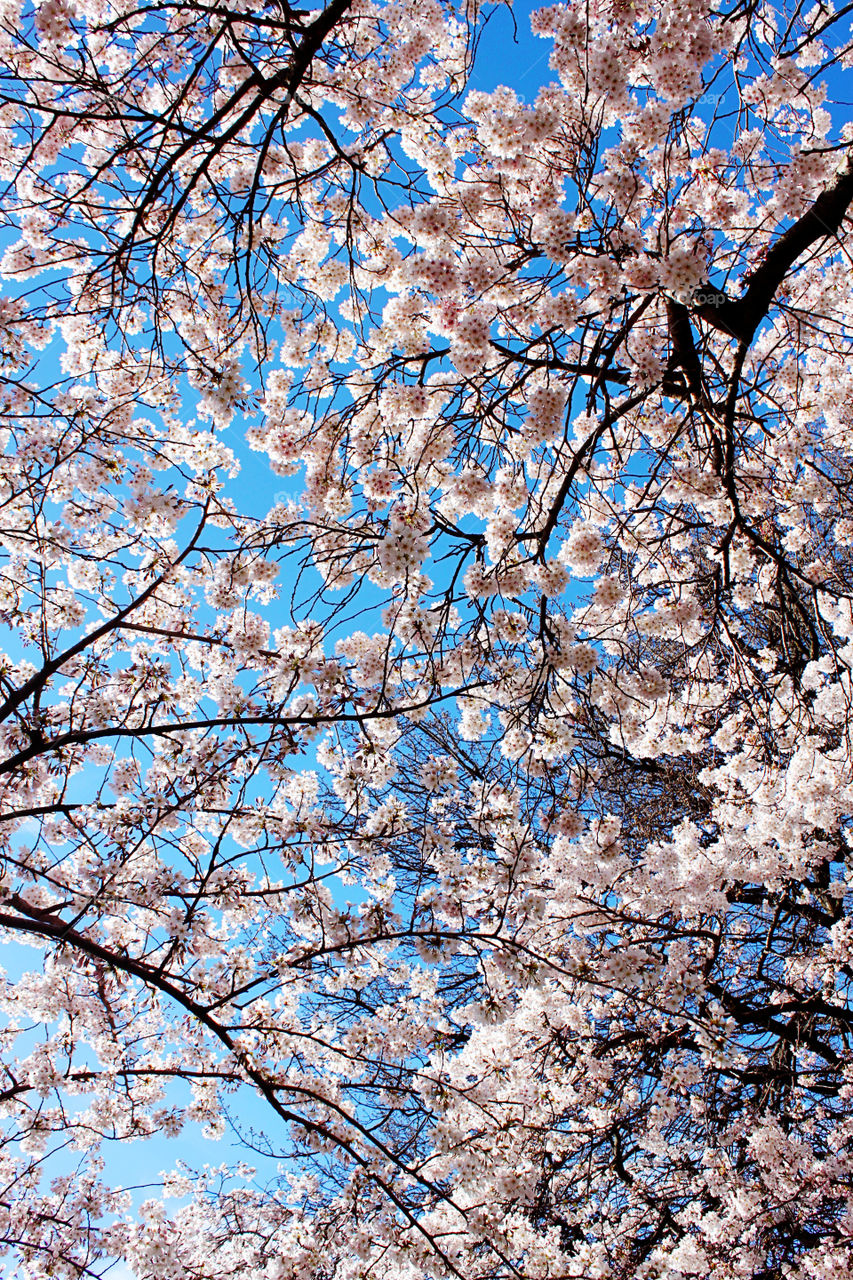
(544, 658)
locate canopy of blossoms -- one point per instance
(467, 832)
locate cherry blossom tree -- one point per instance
(466, 834)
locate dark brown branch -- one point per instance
(739, 318)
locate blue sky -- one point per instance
(509, 55)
